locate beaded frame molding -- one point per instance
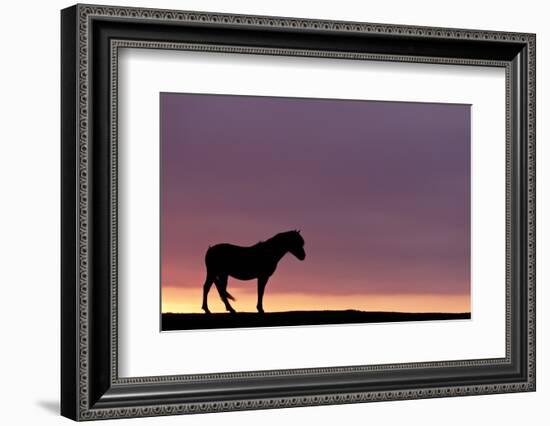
(91, 39)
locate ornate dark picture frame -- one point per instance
(90, 385)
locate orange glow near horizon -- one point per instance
(189, 300)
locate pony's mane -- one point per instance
(277, 237)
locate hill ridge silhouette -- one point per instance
(196, 321)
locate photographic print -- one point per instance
(279, 211)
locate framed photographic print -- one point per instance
(263, 212)
(278, 163)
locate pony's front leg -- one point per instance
(262, 281)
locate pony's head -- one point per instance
(295, 244)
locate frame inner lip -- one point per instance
(116, 43)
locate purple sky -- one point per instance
(380, 190)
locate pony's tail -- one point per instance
(229, 295)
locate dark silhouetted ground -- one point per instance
(172, 321)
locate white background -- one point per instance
(29, 225)
(146, 352)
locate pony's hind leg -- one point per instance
(205, 289)
(221, 285)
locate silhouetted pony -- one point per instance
(246, 263)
